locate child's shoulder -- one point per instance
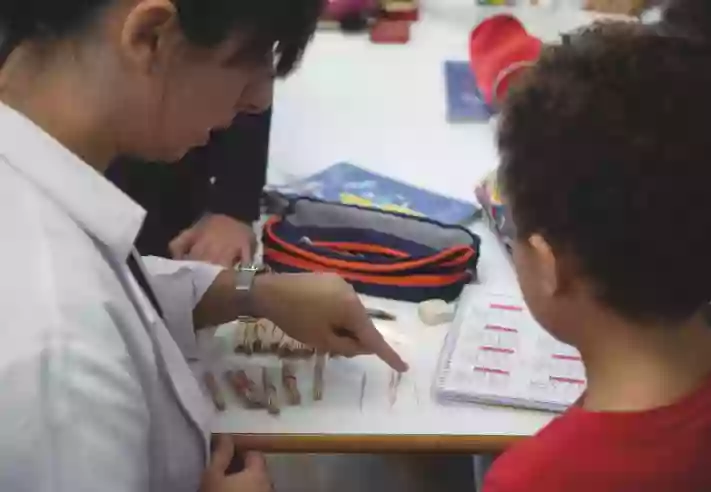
(524, 466)
(663, 450)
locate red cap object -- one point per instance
(499, 48)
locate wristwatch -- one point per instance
(244, 276)
(244, 280)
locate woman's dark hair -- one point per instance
(282, 27)
(606, 152)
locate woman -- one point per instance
(97, 393)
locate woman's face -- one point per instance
(174, 94)
(204, 93)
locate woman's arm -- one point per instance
(321, 310)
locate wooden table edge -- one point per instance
(373, 444)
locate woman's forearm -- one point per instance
(223, 302)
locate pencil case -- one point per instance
(381, 253)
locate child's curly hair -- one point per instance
(687, 18)
(606, 152)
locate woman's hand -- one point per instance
(318, 309)
(323, 311)
(254, 478)
(217, 239)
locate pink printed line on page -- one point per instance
(496, 349)
(500, 328)
(566, 357)
(490, 370)
(566, 380)
(506, 307)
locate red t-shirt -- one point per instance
(663, 450)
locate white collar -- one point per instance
(90, 199)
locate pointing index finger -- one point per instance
(372, 341)
(382, 349)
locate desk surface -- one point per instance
(382, 107)
(349, 420)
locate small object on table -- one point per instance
(395, 378)
(464, 101)
(363, 383)
(264, 337)
(240, 333)
(623, 7)
(286, 346)
(348, 15)
(500, 51)
(435, 312)
(318, 376)
(289, 348)
(271, 335)
(248, 338)
(271, 398)
(244, 388)
(400, 9)
(257, 345)
(488, 194)
(380, 314)
(288, 378)
(277, 338)
(214, 389)
(301, 350)
(390, 32)
(355, 23)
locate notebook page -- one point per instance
(496, 353)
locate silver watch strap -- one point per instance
(244, 276)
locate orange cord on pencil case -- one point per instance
(404, 281)
(465, 255)
(355, 248)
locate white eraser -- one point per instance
(435, 312)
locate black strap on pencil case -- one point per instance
(381, 253)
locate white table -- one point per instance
(382, 107)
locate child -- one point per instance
(606, 164)
(690, 18)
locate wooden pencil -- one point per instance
(291, 385)
(271, 397)
(245, 388)
(214, 389)
(318, 376)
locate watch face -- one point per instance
(244, 278)
(256, 268)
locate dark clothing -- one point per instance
(176, 195)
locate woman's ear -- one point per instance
(150, 34)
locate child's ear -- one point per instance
(548, 265)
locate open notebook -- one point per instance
(497, 354)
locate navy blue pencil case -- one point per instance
(381, 253)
